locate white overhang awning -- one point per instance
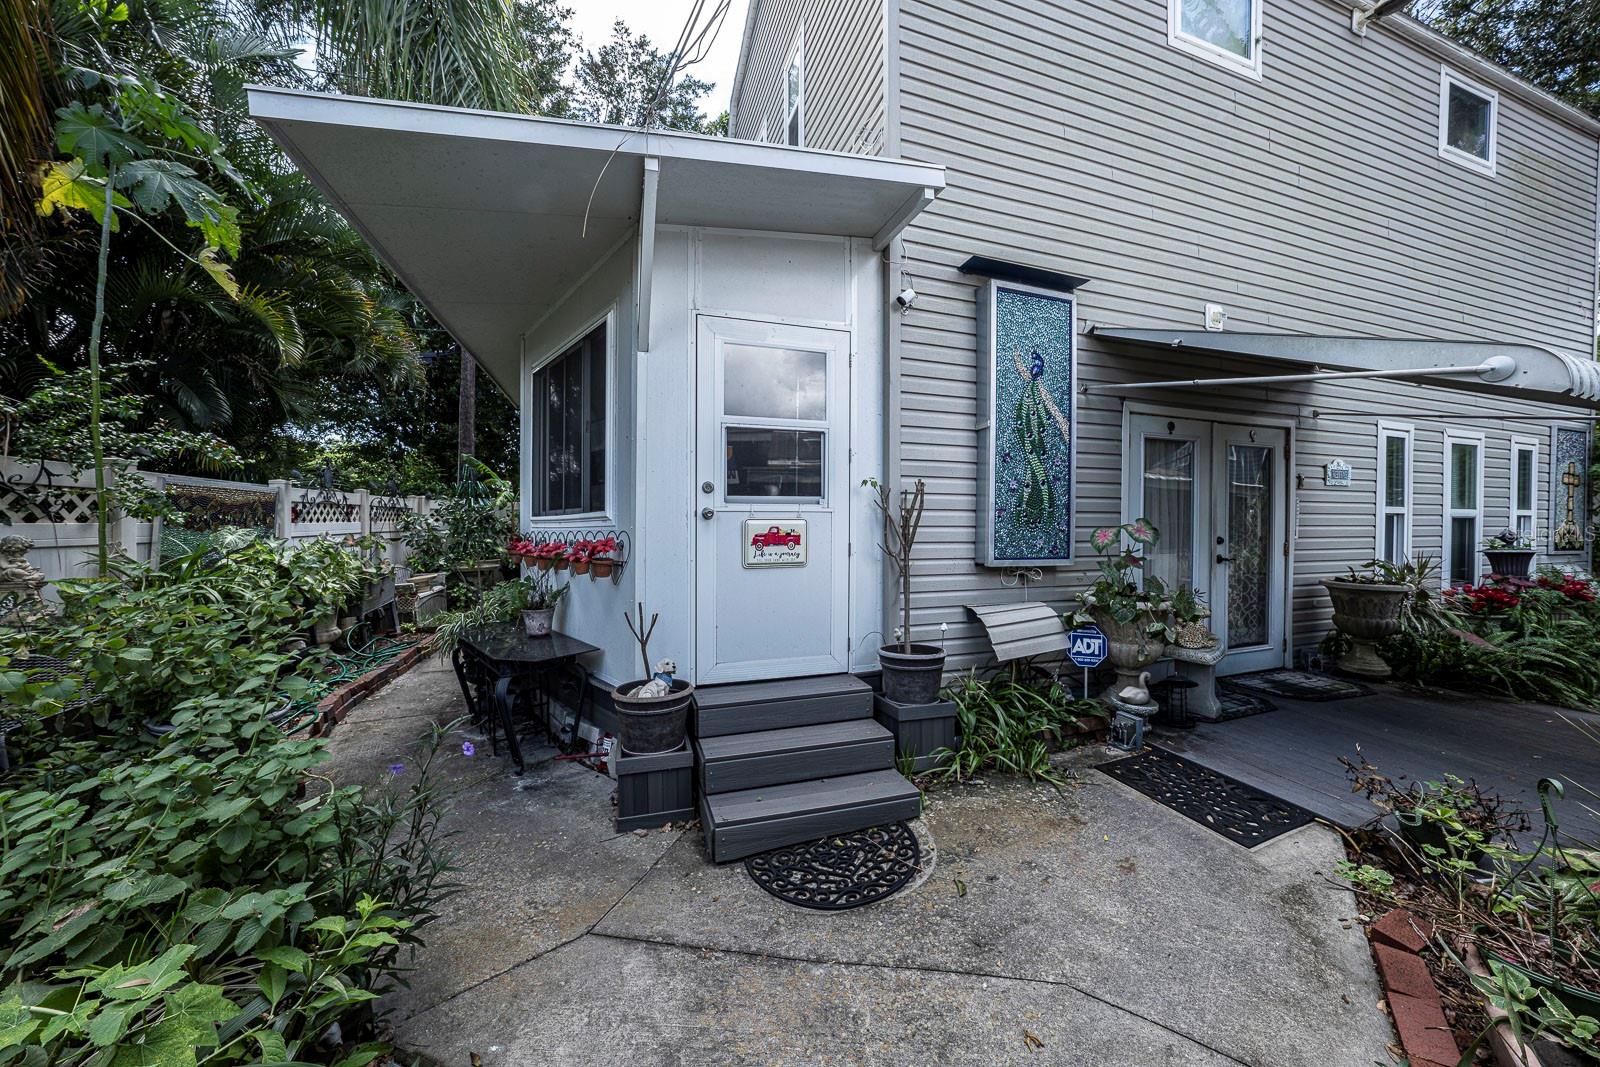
(1524, 370)
(491, 219)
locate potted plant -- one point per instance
(1510, 554)
(579, 555)
(544, 556)
(522, 549)
(1189, 615)
(601, 560)
(537, 599)
(911, 672)
(1366, 609)
(652, 712)
(1135, 616)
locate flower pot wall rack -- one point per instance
(618, 559)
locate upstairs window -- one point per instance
(569, 430)
(794, 122)
(1227, 32)
(1468, 114)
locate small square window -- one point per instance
(1468, 115)
(1227, 32)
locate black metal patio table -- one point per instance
(501, 668)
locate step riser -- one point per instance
(736, 842)
(782, 714)
(726, 776)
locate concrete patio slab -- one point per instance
(1089, 926)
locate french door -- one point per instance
(1217, 492)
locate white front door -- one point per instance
(1217, 493)
(772, 431)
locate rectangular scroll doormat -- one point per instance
(1241, 813)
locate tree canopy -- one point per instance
(1554, 44)
(235, 299)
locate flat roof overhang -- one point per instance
(491, 219)
(1505, 369)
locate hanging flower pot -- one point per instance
(544, 563)
(601, 568)
(580, 566)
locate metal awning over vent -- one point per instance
(1523, 370)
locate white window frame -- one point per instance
(1453, 437)
(1519, 445)
(1407, 433)
(1448, 78)
(1197, 46)
(797, 59)
(608, 318)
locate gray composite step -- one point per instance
(749, 821)
(772, 757)
(748, 707)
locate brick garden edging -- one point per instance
(1408, 988)
(332, 708)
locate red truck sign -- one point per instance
(776, 538)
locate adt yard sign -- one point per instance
(1087, 647)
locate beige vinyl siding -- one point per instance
(1312, 201)
(844, 72)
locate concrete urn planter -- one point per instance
(1510, 562)
(1130, 650)
(1366, 613)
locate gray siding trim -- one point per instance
(845, 70)
(1313, 201)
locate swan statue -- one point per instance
(1137, 694)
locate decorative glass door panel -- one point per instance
(1167, 487)
(1250, 511)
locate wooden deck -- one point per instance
(1294, 752)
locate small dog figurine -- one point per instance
(665, 669)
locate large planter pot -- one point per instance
(537, 622)
(652, 724)
(1366, 613)
(1129, 648)
(1510, 562)
(911, 673)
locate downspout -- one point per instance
(893, 264)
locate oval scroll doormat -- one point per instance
(840, 871)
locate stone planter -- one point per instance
(652, 724)
(1366, 613)
(537, 622)
(911, 673)
(1130, 650)
(1510, 562)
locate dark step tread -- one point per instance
(807, 798)
(793, 739)
(741, 694)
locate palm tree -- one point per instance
(24, 140)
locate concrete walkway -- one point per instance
(1091, 927)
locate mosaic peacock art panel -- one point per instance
(1032, 504)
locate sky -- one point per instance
(662, 22)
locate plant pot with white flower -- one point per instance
(1135, 615)
(1510, 554)
(538, 596)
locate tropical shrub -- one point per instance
(1009, 725)
(177, 886)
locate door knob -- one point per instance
(706, 513)
(1224, 559)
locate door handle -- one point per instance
(706, 513)
(1224, 559)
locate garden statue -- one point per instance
(21, 601)
(1137, 694)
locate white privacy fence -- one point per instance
(53, 506)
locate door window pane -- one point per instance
(1463, 476)
(1394, 472)
(1463, 549)
(768, 464)
(1169, 504)
(1224, 24)
(774, 383)
(1249, 544)
(1394, 538)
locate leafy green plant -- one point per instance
(1123, 592)
(1008, 725)
(470, 525)
(1365, 877)
(500, 603)
(179, 896)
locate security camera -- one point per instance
(905, 298)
